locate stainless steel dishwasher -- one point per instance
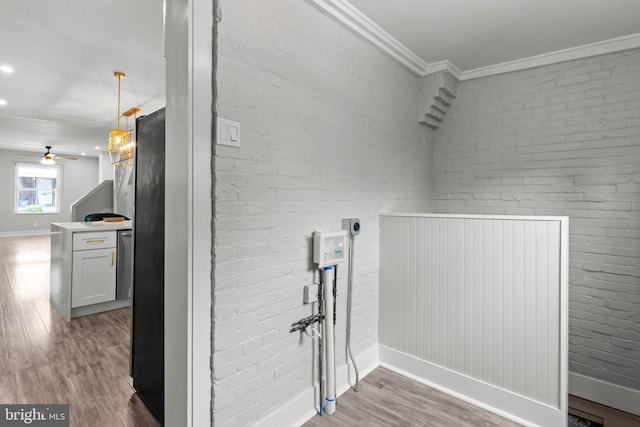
(124, 267)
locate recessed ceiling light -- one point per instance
(84, 154)
(97, 148)
(3, 102)
(6, 69)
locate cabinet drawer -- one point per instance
(94, 240)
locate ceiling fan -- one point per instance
(49, 158)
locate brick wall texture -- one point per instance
(329, 131)
(561, 140)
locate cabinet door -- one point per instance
(94, 277)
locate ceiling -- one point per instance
(64, 52)
(62, 91)
(478, 33)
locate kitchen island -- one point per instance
(90, 270)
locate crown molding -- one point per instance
(593, 49)
(346, 14)
(445, 65)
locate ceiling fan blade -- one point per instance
(48, 155)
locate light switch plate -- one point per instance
(228, 132)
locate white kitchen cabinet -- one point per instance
(84, 264)
(93, 276)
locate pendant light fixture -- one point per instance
(121, 143)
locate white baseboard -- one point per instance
(303, 407)
(605, 393)
(367, 361)
(502, 402)
(100, 307)
(24, 232)
(294, 412)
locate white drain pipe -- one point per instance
(328, 252)
(329, 343)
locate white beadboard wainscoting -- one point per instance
(477, 306)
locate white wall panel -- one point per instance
(480, 296)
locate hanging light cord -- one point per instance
(118, 119)
(349, 298)
(119, 75)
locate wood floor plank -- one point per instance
(44, 359)
(385, 398)
(26, 386)
(133, 416)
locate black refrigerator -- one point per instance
(147, 353)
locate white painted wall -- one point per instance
(105, 168)
(176, 277)
(79, 176)
(562, 140)
(328, 132)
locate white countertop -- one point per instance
(94, 225)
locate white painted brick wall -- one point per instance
(329, 131)
(562, 140)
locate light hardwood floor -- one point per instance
(44, 359)
(385, 398)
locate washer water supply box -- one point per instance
(329, 248)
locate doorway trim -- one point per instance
(188, 212)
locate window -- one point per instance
(37, 189)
